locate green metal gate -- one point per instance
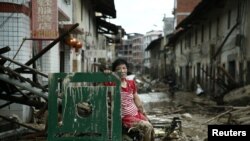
(82, 108)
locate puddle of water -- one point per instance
(154, 97)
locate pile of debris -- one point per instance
(20, 83)
(146, 84)
(194, 113)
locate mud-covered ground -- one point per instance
(194, 113)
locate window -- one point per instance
(181, 46)
(189, 35)
(196, 37)
(210, 30)
(198, 72)
(229, 19)
(217, 26)
(202, 33)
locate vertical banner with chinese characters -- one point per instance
(44, 19)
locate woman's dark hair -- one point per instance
(118, 62)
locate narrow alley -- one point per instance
(188, 61)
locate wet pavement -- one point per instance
(162, 109)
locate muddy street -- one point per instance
(71, 70)
(194, 113)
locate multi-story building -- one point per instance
(148, 38)
(213, 52)
(168, 25)
(167, 55)
(125, 50)
(182, 8)
(159, 57)
(131, 50)
(137, 52)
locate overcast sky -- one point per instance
(141, 16)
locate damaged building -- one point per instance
(42, 37)
(211, 47)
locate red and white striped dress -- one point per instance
(130, 114)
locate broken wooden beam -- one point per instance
(222, 114)
(16, 122)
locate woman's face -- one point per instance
(121, 70)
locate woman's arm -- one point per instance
(137, 100)
(138, 103)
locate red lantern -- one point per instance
(71, 41)
(78, 44)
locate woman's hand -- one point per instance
(141, 109)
